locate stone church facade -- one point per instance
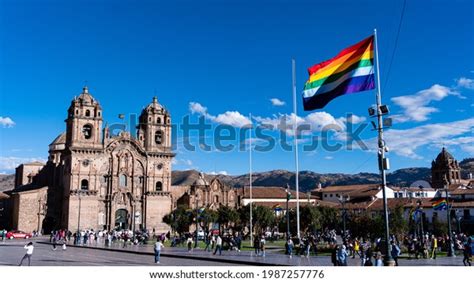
(95, 180)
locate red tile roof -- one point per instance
(264, 192)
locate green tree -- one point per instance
(330, 217)
(310, 219)
(206, 217)
(398, 223)
(439, 228)
(225, 216)
(180, 219)
(263, 217)
(363, 225)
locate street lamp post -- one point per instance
(197, 223)
(288, 197)
(420, 207)
(343, 202)
(79, 218)
(448, 212)
(39, 215)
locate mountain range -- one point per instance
(308, 179)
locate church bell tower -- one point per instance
(84, 122)
(154, 129)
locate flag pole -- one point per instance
(296, 150)
(250, 179)
(388, 261)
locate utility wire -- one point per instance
(395, 47)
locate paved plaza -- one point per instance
(98, 255)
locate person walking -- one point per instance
(395, 252)
(29, 252)
(262, 245)
(334, 252)
(256, 245)
(158, 247)
(4, 235)
(189, 242)
(434, 246)
(342, 255)
(378, 259)
(356, 249)
(467, 251)
(208, 243)
(289, 247)
(218, 245)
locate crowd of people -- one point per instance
(369, 252)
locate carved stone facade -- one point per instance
(445, 169)
(204, 194)
(95, 180)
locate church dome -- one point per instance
(444, 156)
(200, 181)
(155, 107)
(85, 98)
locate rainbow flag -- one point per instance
(277, 207)
(440, 205)
(352, 70)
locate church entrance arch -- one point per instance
(121, 219)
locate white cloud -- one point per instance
(197, 108)
(316, 121)
(222, 172)
(232, 118)
(355, 119)
(329, 157)
(10, 163)
(465, 82)
(188, 162)
(277, 102)
(6, 122)
(415, 107)
(405, 142)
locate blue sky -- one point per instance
(225, 60)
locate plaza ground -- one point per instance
(12, 251)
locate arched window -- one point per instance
(159, 186)
(123, 180)
(158, 137)
(216, 199)
(84, 184)
(87, 131)
(158, 120)
(88, 113)
(77, 112)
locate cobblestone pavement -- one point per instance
(98, 254)
(12, 251)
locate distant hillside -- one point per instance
(467, 166)
(308, 179)
(7, 182)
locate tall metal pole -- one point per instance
(197, 214)
(293, 70)
(344, 220)
(39, 215)
(450, 232)
(250, 180)
(288, 196)
(79, 214)
(381, 158)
